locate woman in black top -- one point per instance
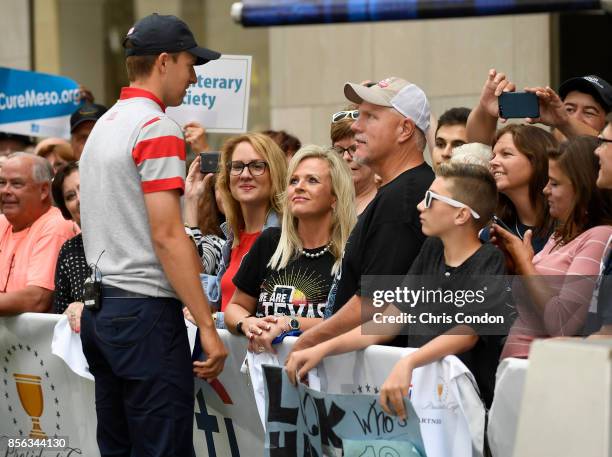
(71, 270)
(288, 272)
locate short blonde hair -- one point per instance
(474, 153)
(344, 216)
(276, 164)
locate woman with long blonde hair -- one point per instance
(252, 173)
(284, 280)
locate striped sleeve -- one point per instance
(159, 155)
(565, 313)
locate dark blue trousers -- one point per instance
(138, 352)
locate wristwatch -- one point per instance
(294, 324)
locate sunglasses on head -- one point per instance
(352, 114)
(429, 196)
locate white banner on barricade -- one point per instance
(40, 394)
(504, 413)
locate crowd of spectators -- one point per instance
(286, 233)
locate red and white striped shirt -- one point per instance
(133, 149)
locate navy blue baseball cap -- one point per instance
(593, 85)
(158, 33)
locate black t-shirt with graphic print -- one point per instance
(300, 289)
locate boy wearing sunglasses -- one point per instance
(459, 202)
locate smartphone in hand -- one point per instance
(209, 162)
(513, 105)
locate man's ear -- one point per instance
(408, 128)
(463, 216)
(162, 61)
(45, 191)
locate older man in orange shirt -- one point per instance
(31, 234)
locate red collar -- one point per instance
(132, 92)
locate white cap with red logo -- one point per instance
(407, 98)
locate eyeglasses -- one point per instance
(337, 117)
(429, 196)
(340, 150)
(601, 141)
(256, 167)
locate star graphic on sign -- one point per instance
(6, 360)
(10, 408)
(367, 386)
(35, 353)
(5, 382)
(354, 392)
(5, 369)
(6, 394)
(20, 346)
(41, 363)
(46, 374)
(57, 426)
(14, 347)
(56, 401)
(14, 421)
(20, 433)
(58, 414)
(376, 390)
(360, 389)
(28, 348)
(9, 353)
(52, 387)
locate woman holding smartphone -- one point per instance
(284, 280)
(519, 165)
(557, 284)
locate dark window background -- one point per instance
(584, 46)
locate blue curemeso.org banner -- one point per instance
(27, 95)
(285, 12)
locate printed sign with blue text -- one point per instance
(36, 104)
(219, 100)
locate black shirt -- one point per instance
(70, 274)
(387, 237)
(299, 289)
(483, 358)
(519, 229)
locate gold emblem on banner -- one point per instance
(31, 397)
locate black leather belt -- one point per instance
(115, 292)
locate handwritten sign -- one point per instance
(219, 99)
(304, 422)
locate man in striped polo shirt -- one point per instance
(132, 176)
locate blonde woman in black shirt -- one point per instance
(285, 278)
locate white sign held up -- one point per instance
(219, 100)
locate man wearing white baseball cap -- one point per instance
(390, 135)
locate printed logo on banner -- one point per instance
(209, 424)
(39, 104)
(30, 397)
(32, 403)
(219, 99)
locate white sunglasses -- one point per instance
(429, 196)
